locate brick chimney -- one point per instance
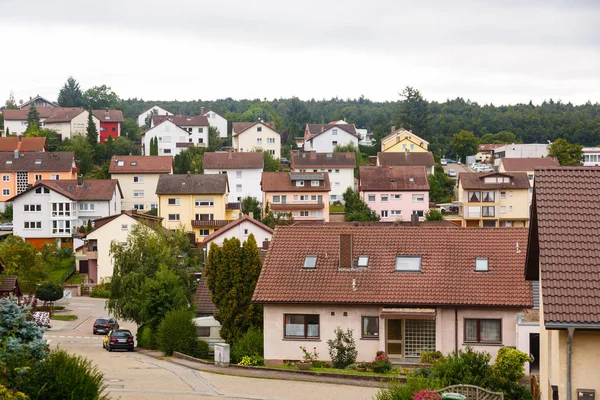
(345, 250)
(201, 110)
(414, 220)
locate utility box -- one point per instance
(222, 354)
(453, 396)
(586, 394)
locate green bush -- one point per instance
(6, 394)
(250, 344)
(146, 338)
(342, 349)
(101, 290)
(508, 371)
(405, 391)
(177, 332)
(382, 364)
(202, 349)
(64, 376)
(430, 357)
(467, 367)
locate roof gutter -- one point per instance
(567, 325)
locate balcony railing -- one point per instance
(214, 222)
(298, 205)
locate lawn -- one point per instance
(336, 208)
(74, 279)
(60, 271)
(64, 317)
(393, 372)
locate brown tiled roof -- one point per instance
(233, 224)
(528, 164)
(23, 144)
(21, 115)
(108, 115)
(564, 243)
(393, 178)
(92, 189)
(282, 182)
(400, 131)
(141, 165)
(10, 284)
(239, 127)
(204, 304)
(447, 274)
(315, 130)
(233, 160)
(99, 222)
(476, 180)
(400, 158)
(63, 114)
(181, 120)
(323, 160)
(47, 161)
(488, 147)
(426, 224)
(192, 184)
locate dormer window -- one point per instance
(38, 162)
(299, 183)
(120, 163)
(310, 262)
(408, 263)
(481, 264)
(363, 261)
(134, 163)
(411, 179)
(314, 183)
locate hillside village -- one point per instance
(485, 247)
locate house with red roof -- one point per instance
(402, 290)
(323, 138)
(243, 172)
(111, 122)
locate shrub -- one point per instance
(177, 332)
(49, 291)
(146, 338)
(6, 394)
(250, 344)
(342, 349)
(430, 357)
(310, 357)
(321, 364)
(382, 364)
(425, 394)
(395, 391)
(101, 290)
(508, 370)
(202, 349)
(467, 367)
(252, 361)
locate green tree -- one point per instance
(434, 215)
(49, 291)
(251, 205)
(131, 130)
(52, 140)
(100, 98)
(566, 153)
(441, 186)
(412, 112)
(70, 95)
(84, 152)
(271, 164)
(91, 130)
(263, 112)
(191, 160)
(356, 210)
(295, 120)
(464, 144)
(33, 119)
(22, 259)
(11, 104)
(272, 220)
(214, 141)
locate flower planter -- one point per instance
(361, 369)
(304, 366)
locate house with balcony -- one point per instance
(253, 136)
(111, 123)
(395, 193)
(196, 203)
(497, 199)
(323, 138)
(303, 194)
(70, 121)
(402, 140)
(138, 177)
(339, 166)
(173, 141)
(243, 171)
(54, 209)
(22, 170)
(94, 262)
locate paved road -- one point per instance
(136, 376)
(457, 167)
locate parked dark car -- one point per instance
(105, 325)
(118, 339)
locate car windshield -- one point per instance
(122, 334)
(102, 321)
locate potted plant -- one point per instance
(308, 358)
(362, 367)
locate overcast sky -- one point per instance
(503, 51)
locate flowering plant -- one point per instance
(426, 394)
(382, 363)
(309, 357)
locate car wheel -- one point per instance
(130, 349)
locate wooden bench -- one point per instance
(472, 392)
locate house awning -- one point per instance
(408, 313)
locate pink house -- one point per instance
(395, 193)
(304, 194)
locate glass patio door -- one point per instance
(394, 338)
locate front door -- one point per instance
(394, 338)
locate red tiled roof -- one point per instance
(21, 115)
(63, 114)
(233, 160)
(108, 115)
(57, 161)
(447, 274)
(192, 184)
(315, 130)
(181, 120)
(323, 160)
(141, 165)
(23, 144)
(476, 180)
(233, 224)
(393, 178)
(93, 189)
(202, 298)
(239, 127)
(399, 158)
(528, 164)
(99, 222)
(282, 181)
(564, 243)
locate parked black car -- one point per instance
(105, 325)
(118, 339)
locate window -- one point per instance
(277, 199)
(412, 146)
(5, 178)
(418, 198)
(37, 177)
(530, 176)
(120, 163)
(384, 198)
(32, 225)
(166, 151)
(481, 264)
(173, 201)
(138, 193)
(408, 263)
(259, 141)
(54, 177)
(334, 132)
(238, 174)
(259, 129)
(61, 227)
(314, 183)
(32, 207)
(301, 326)
(510, 208)
(42, 190)
(384, 213)
(204, 331)
(138, 206)
(272, 152)
(271, 140)
(200, 130)
(85, 207)
(370, 327)
(396, 212)
(333, 197)
(153, 206)
(123, 227)
(238, 188)
(334, 143)
(502, 209)
(299, 183)
(245, 231)
(371, 197)
(337, 184)
(488, 211)
(204, 202)
(474, 197)
(420, 213)
(5, 192)
(396, 197)
(337, 171)
(488, 197)
(510, 193)
(363, 261)
(483, 330)
(304, 213)
(310, 262)
(204, 232)
(173, 217)
(502, 195)
(138, 179)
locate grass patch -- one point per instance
(394, 372)
(74, 279)
(64, 317)
(336, 208)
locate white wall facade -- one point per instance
(242, 231)
(15, 127)
(258, 136)
(77, 126)
(532, 150)
(242, 183)
(44, 216)
(169, 135)
(326, 141)
(340, 179)
(157, 110)
(139, 191)
(218, 122)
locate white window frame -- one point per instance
(418, 198)
(314, 183)
(406, 263)
(138, 193)
(177, 201)
(300, 183)
(176, 217)
(54, 177)
(5, 178)
(371, 198)
(6, 192)
(138, 179)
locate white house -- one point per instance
(172, 139)
(138, 177)
(54, 209)
(15, 121)
(241, 228)
(215, 120)
(156, 110)
(196, 127)
(243, 170)
(323, 138)
(251, 136)
(69, 122)
(96, 261)
(340, 167)
(529, 150)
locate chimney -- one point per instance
(345, 250)
(251, 214)
(265, 245)
(79, 180)
(414, 220)
(16, 152)
(20, 138)
(201, 110)
(406, 152)
(393, 129)
(230, 154)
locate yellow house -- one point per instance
(494, 199)
(196, 203)
(562, 255)
(403, 140)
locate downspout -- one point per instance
(571, 332)
(456, 329)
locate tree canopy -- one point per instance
(464, 144)
(70, 95)
(356, 210)
(566, 153)
(100, 98)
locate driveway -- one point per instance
(137, 376)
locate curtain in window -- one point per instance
(471, 330)
(490, 330)
(294, 325)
